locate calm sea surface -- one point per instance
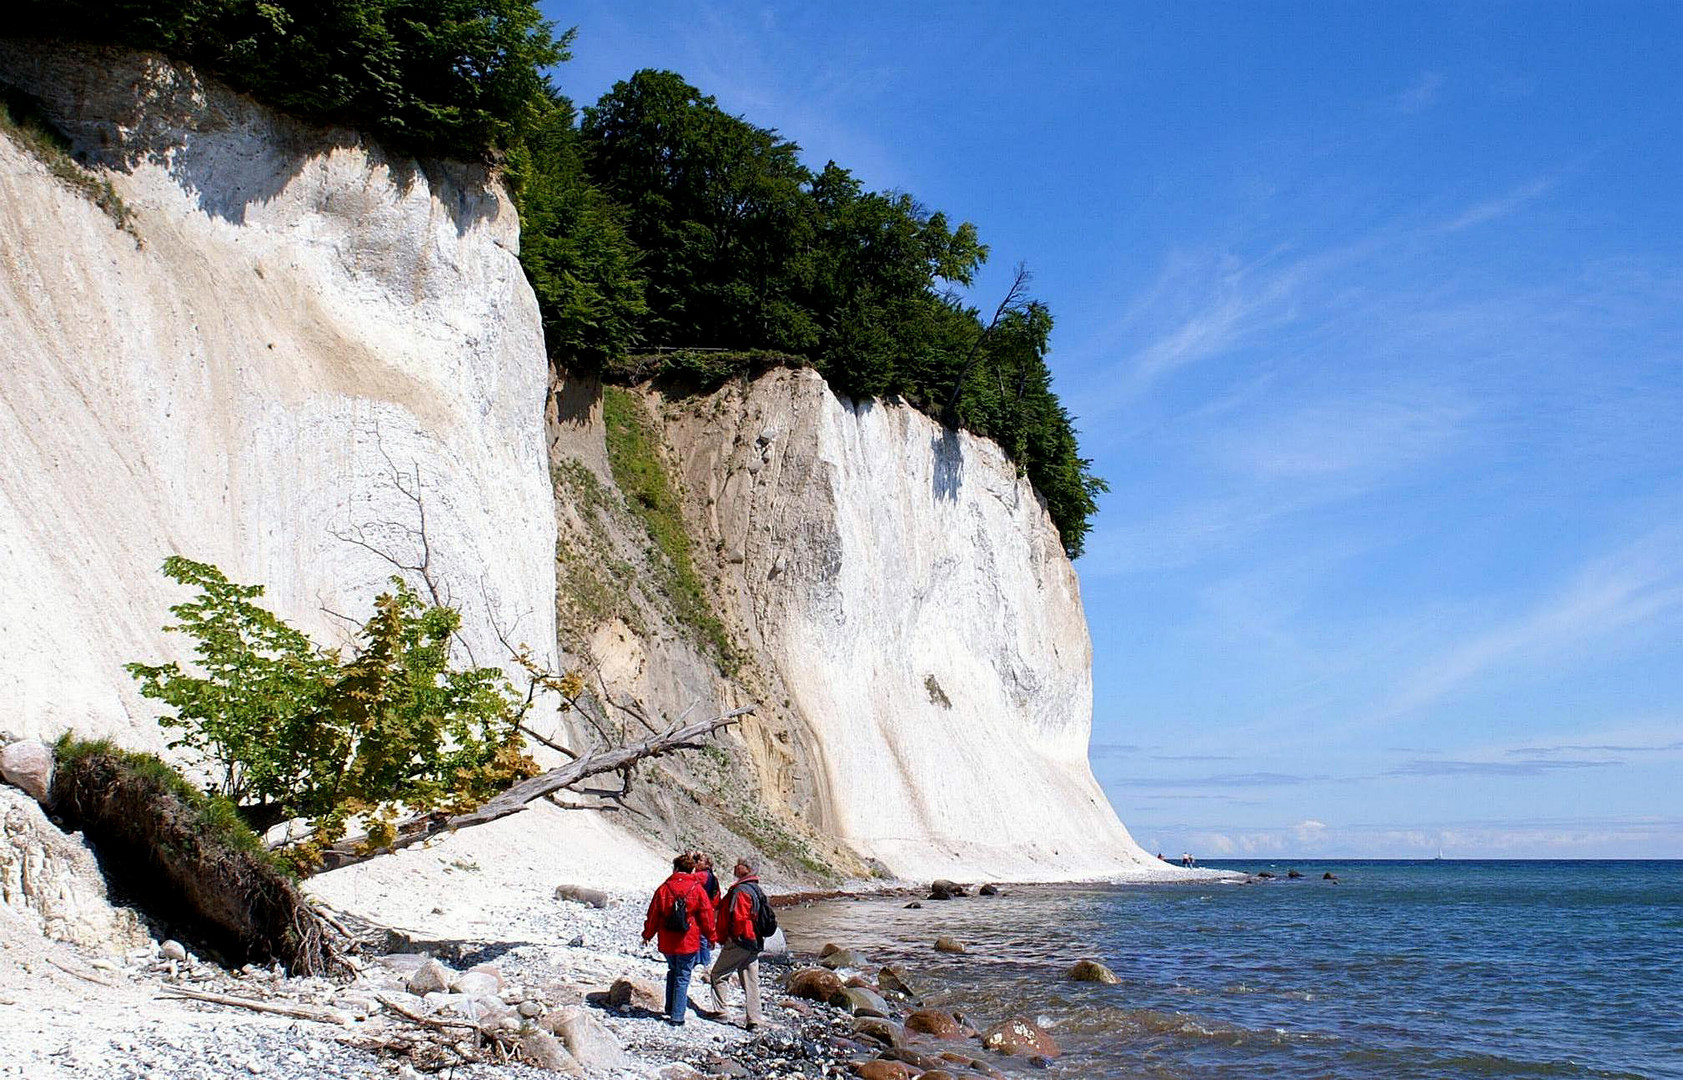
(1403, 970)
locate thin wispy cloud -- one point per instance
(1634, 587)
(1439, 767)
(1222, 780)
(1422, 94)
(1482, 213)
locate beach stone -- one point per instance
(1019, 1037)
(531, 1010)
(628, 992)
(544, 1051)
(815, 984)
(948, 945)
(1329, 876)
(1266, 875)
(942, 889)
(883, 1030)
(588, 1040)
(976, 1065)
(892, 980)
(476, 984)
(935, 1074)
(917, 1059)
(829, 947)
(1294, 874)
(796, 1006)
(431, 977)
(914, 904)
(850, 958)
(933, 1022)
(173, 950)
(404, 964)
(28, 765)
(883, 1070)
(581, 894)
(988, 890)
(862, 1002)
(1092, 971)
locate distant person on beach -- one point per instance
(740, 940)
(1186, 859)
(709, 882)
(680, 918)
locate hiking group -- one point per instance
(688, 916)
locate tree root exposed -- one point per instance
(161, 846)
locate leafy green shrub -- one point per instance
(288, 730)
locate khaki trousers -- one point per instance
(744, 963)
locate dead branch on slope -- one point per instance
(619, 759)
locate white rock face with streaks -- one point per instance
(914, 598)
(303, 320)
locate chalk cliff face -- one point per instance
(297, 324)
(299, 333)
(914, 600)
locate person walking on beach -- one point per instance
(739, 935)
(709, 882)
(680, 918)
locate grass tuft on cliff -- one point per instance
(23, 120)
(639, 471)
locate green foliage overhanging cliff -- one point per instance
(655, 220)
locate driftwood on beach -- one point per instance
(415, 829)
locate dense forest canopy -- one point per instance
(654, 221)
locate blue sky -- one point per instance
(1372, 315)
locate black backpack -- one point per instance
(678, 918)
(765, 919)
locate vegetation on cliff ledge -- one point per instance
(653, 221)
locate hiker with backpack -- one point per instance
(680, 918)
(745, 920)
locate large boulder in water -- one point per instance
(945, 890)
(1021, 1038)
(934, 1022)
(844, 958)
(1092, 971)
(891, 980)
(815, 984)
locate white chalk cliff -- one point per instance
(295, 315)
(914, 598)
(300, 324)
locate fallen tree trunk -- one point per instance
(413, 830)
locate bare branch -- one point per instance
(420, 827)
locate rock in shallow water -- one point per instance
(934, 1022)
(1092, 971)
(1021, 1037)
(948, 945)
(815, 984)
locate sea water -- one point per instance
(1401, 970)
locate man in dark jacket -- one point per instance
(740, 954)
(679, 946)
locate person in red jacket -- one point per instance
(740, 954)
(680, 946)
